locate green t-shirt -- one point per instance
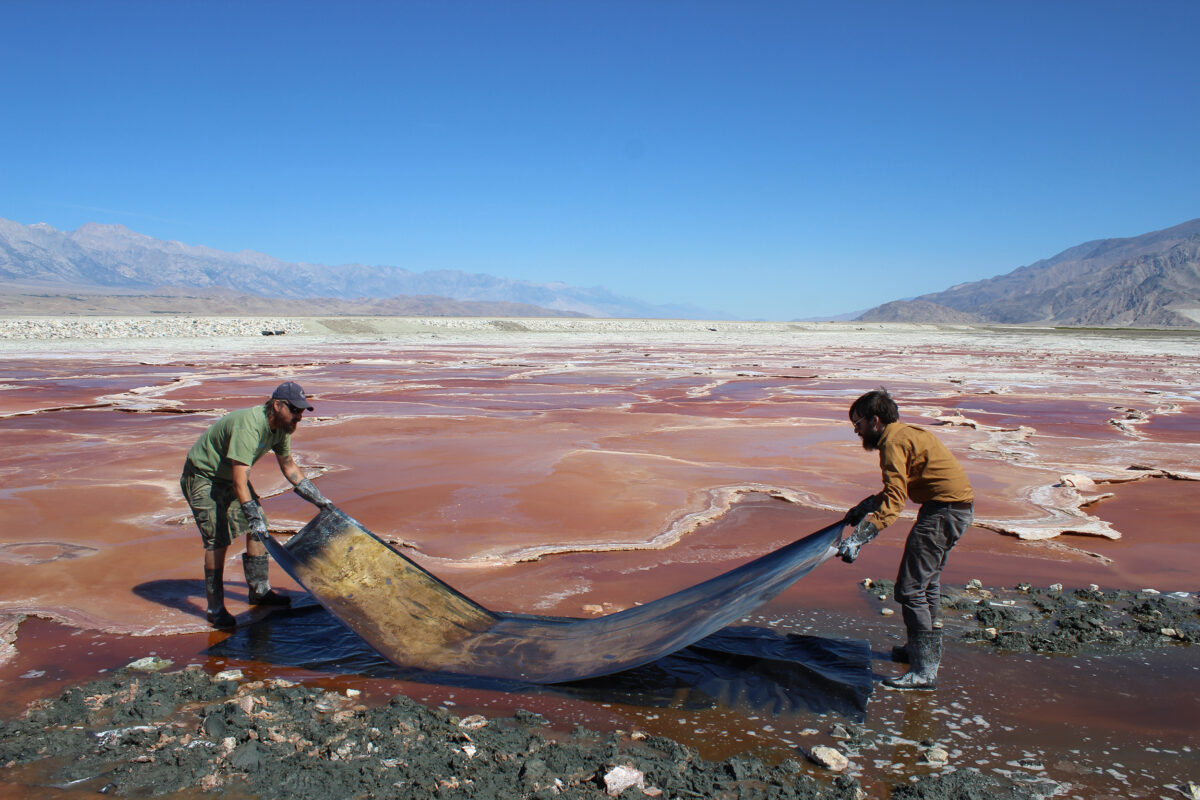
(243, 436)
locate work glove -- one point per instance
(310, 493)
(254, 515)
(864, 532)
(856, 514)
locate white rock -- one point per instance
(887, 612)
(829, 758)
(228, 675)
(621, 777)
(1056, 587)
(149, 664)
(936, 755)
(974, 583)
(473, 722)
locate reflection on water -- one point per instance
(750, 669)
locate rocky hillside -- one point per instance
(113, 261)
(1146, 281)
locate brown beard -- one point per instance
(276, 423)
(870, 439)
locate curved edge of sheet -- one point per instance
(414, 619)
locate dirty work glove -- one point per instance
(253, 513)
(310, 493)
(856, 514)
(849, 547)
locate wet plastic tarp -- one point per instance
(750, 669)
(416, 620)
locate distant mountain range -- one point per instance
(1148, 281)
(111, 264)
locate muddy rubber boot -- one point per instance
(261, 593)
(924, 657)
(214, 590)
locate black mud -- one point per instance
(1054, 621)
(156, 733)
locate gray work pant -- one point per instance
(919, 582)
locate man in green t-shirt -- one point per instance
(216, 483)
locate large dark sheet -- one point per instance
(750, 669)
(415, 620)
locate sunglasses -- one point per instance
(295, 411)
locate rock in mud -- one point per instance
(829, 758)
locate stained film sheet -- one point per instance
(417, 621)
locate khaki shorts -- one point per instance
(215, 507)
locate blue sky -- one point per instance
(772, 160)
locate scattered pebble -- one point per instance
(936, 756)
(829, 758)
(621, 777)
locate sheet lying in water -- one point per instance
(746, 668)
(415, 620)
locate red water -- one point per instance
(617, 464)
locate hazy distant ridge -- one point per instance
(112, 257)
(1151, 280)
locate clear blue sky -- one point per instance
(770, 159)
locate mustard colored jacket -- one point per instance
(916, 464)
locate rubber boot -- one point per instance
(925, 654)
(900, 651)
(214, 590)
(261, 593)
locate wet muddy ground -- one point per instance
(606, 470)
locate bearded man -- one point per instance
(914, 464)
(216, 483)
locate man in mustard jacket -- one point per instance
(914, 464)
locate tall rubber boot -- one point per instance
(912, 625)
(261, 593)
(214, 590)
(925, 655)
